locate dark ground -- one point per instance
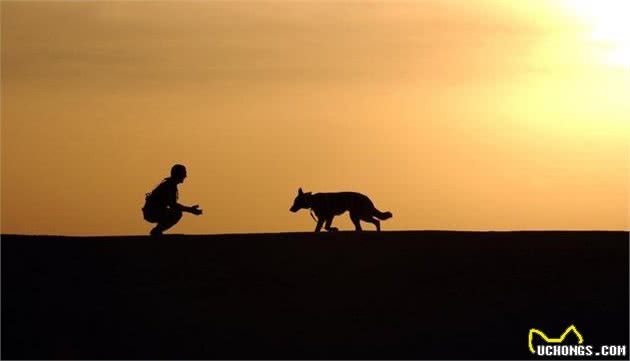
(393, 295)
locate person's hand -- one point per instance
(195, 210)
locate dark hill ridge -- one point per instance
(388, 295)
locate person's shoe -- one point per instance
(156, 232)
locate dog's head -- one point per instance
(301, 201)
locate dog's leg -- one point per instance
(375, 222)
(357, 221)
(320, 223)
(328, 225)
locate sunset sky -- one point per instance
(451, 114)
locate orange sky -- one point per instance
(484, 115)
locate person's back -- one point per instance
(161, 205)
(163, 196)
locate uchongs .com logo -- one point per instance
(555, 347)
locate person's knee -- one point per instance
(169, 218)
(177, 215)
(173, 216)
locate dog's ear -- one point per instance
(300, 192)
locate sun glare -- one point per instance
(609, 28)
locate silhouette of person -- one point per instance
(161, 205)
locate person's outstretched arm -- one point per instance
(194, 209)
(173, 204)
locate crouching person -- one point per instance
(161, 205)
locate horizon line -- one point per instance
(311, 232)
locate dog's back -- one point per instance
(336, 203)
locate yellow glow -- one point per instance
(609, 28)
(484, 115)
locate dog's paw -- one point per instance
(333, 229)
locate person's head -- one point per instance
(178, 173)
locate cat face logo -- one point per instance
(553, 340)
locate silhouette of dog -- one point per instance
(328, 205)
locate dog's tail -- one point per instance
(382, 215)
